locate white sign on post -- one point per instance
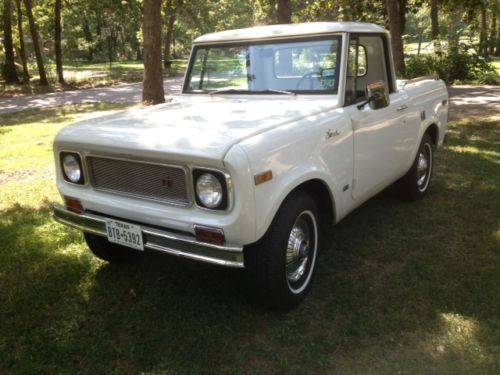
(105, 32)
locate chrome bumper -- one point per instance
(159, 240)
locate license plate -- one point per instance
(125, 234)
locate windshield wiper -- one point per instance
(275, 91)
(238, 91)
(228, 91)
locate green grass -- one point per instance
(400, 287)
(496, 64)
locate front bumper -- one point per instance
(158, 239)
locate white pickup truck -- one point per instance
(278, 129)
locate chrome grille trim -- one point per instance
(139, 179)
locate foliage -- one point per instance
(462, 65)
(416, 292)
(84, 22)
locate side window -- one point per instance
(357, 60)
(366, 64)
(357, 68)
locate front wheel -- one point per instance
(281, 265)
(415, 183)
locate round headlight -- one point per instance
(209, 190)
(72, 169)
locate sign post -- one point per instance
(106, 33)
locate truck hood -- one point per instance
(200, 127)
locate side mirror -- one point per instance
(377, 96)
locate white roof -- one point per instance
(294, 29)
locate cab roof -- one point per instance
(288, 30)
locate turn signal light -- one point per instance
(73, 204)
(210, 235)
(263, 177)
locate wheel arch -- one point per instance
(318, 190)
(433, 132)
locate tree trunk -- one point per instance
(9, 69)
(497, 48)
(493, 34)
(483, 35)
(152, 92)
(453, 23)
(420, 37)
(168, 40)
(57, 41)
(284, 11)
(435, 26)
(396, 40)
(402, 16)
(87, 33)
(36, 43)
(22, 48)
(170, 12)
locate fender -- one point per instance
(270, 198)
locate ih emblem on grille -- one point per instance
(167, 182)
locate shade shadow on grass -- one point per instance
(400, 287)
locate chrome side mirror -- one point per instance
(377, 96)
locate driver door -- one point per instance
(378, 133)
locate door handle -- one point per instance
(401, 108)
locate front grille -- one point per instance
(139, 179)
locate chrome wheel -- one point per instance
(301, 251)
(424, 167)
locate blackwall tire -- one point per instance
(280, 266)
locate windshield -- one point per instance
(308, 66)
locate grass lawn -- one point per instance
(83, 75)
(400, 288)
(496, 64)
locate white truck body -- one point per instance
(353, 152)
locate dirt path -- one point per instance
(474, 101)
(126, 93)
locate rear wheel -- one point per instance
(280, 266)
(105, 250)
(416, 182)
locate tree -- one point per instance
(170, 11)
(22, 48)
(36, 44)
(152, 92)
(396, 38)
(57, 40)
(9, 69)
(493, 35)
(435, 25)
(284, 11)
(497, 42)
(403, 9)
(483, 35)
